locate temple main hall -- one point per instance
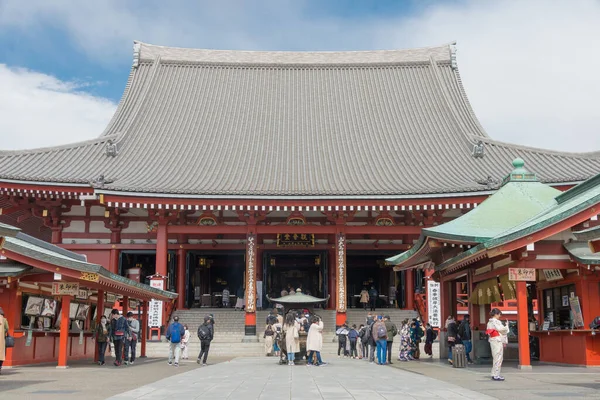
(254, 171)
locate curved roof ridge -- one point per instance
(150, 52)
(68, 146)
(492, 141)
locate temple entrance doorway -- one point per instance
(305, 270)
(208, 273)
(368, 269)
(139, 265)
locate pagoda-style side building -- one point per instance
(263, 169)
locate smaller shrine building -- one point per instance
(53, 299)
(528, 241)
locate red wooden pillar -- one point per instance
(445, 300)
(331, 283)
(125, 305)
(113, 261)
(410, 289)
(63, 343)
(523, 325)
(115, 239)
(251, 267)
(473, 308)
(99, 314)
(144, 328)
(453, 302)
(56, 237)
(162, 245)
(340, 277)
(181, 257)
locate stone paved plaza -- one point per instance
(262, 378)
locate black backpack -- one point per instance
(203, 332)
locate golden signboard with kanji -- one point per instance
(65, 288)
(89, 276)
(521, 274)
(295, 240)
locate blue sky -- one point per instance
(529, 67)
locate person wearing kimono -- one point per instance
(405, 343)
(497, 333)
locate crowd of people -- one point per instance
(373, 341)
(121, 333)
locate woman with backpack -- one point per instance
(342, 334)
(205, 334)
(268, 336)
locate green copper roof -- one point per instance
(521, 197)
(581, 252)
(519, 208)
(581, 198)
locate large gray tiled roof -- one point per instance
(341, 124)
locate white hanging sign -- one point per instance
(156, 307)
(434, 304)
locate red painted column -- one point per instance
(56, 237)
(162, 245)
(144, 328)
(445, 300)
(99, 314)
(63, 346)
(181, 257)
(113, 261)
(125, 305)
(340, 275)
(410, 289)
(250, 295)
(523, 325)
(331, 283)
(473, 308)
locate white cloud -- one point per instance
(529, 67)
(39, 110)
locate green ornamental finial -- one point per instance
(519, 173)
(518, 163)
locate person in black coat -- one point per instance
(452, 331)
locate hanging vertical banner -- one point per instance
(341, 273)
(156, 307)
(251, 273)
(434, 304)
